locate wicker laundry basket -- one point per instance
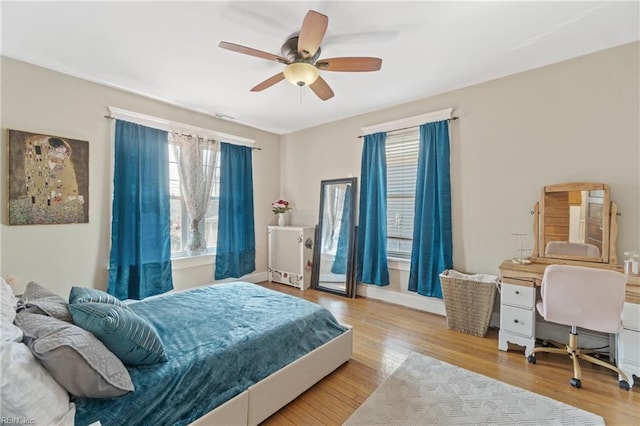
(468, 301)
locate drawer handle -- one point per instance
(516, 321)
(517, 292)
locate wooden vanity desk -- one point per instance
(593, 217)
(531, 274)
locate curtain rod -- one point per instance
(108, 117)
(405, 128)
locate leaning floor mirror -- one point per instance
(335, 242)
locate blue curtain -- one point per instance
(432, 246)
(140, 262)
(339, 265)
(372, 220)
(236, 248)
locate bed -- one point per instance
(237, 353)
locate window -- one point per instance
(402, 147)
(179, 217)
(180, 223)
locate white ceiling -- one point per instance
(169, 50)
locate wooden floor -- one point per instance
(385, 334)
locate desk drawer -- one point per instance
(517, 295)
(631, 316)
(517, 320)
(630, 345)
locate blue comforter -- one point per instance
(220, 340)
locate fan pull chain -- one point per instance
(301, 94)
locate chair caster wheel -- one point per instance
(576, 383)
(624, 385)
(531, 359)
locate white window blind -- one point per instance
(402, 164)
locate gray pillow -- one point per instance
(74, 357)
(39, 300)
(92, 295)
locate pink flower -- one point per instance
(280, 206)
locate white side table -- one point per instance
(291, 255)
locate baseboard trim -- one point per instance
(256, 277)
(414, 301)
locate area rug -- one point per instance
(426, 391)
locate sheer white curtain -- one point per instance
(196, 158)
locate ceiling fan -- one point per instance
(300, 54)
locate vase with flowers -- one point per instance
(280, 207)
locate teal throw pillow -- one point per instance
(92, 295)
(129, 336)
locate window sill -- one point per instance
(184, 262)
(399, 263)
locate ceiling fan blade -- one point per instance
(268, 82)
(321, 89)
(349, 64)
(252, 52)
(312, 32)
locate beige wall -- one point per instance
(59, 256)
(573, 121)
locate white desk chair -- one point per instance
(582, 297)
(571, 249)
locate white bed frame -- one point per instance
(275, 391)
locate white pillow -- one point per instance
(29, 391)
(9, 332)
(8, 302)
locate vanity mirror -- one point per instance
(334, 255)
(576, 221)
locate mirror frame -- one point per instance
(609, 223)
(351, 248)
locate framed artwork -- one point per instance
(48, 179)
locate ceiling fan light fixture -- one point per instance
(300, 54)
(301, 73)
